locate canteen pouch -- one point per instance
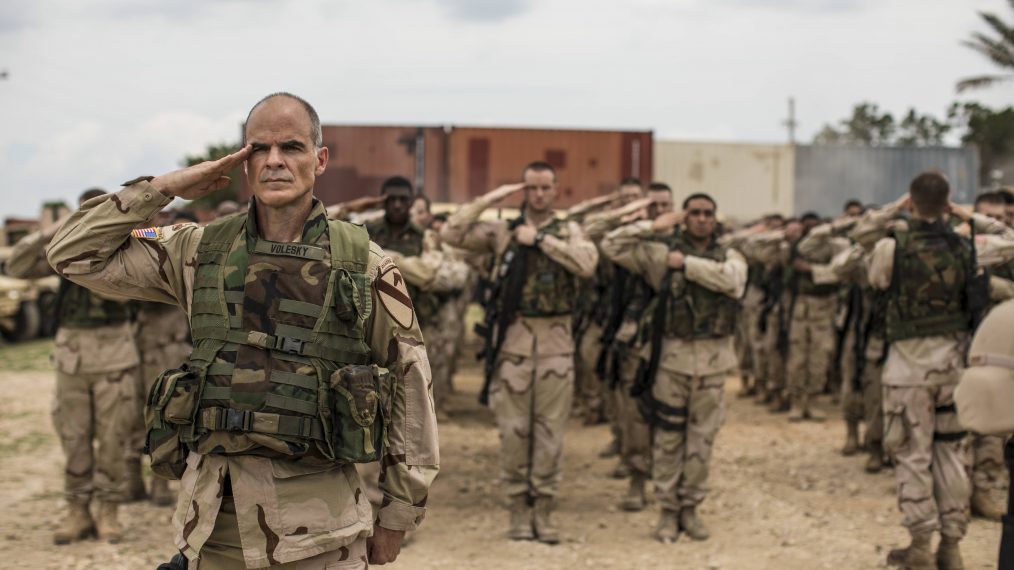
(169, 416)
(361, 412)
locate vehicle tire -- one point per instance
(47, 314)
(26, 323)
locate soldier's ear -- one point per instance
(322, 155)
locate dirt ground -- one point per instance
(782, 497)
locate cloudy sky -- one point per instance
(100, 91)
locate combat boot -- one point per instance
(691, 524)
(134, 484)
(77, 524)
(545, 529)
(851, 438)
(779, 404)
(985, 505)
(635, 501)
(667, 530)
(521, 519)
(749, 388)
(949, 554)
(160, 494)
(876, 461)
(917, 556)
(798, 410)
(763, 396)
(622, 471)
(108, 523)
(611, 450)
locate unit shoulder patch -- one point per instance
(393, 294)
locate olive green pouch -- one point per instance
(361, 400)
(168, 411)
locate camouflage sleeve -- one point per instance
(99, 248)
(845, 267)
(597, 225)
(28, 258)
(994, 249)
(630, 246)
(766, 247)
(987, 225)
(1000, 289)
(727, 277)
(412, 459)
(464, 230)
(815, 242)
(872, 226)
(881, 264)
(577, 254)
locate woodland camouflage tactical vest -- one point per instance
(276, 328)
(549, 289)
(410, 244)
(696, 312)
(927, 294)
(77, 307)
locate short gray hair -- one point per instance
(316, 135)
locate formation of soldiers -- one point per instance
(630, 309)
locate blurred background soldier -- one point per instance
(96, 375)
(699, 283)
(530, 347)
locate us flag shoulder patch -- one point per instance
(147, 233)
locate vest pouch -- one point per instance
(358, 415)
(171, 405)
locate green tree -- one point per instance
(230, 192)
(992, 131)
(867, 126)
(921, 130)
(997, 46)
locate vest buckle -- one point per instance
(238, 420)
(289, 345)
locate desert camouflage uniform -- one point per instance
(286, 511)
(96, 371)
(533, 389)
(692, 372)
(769, 253)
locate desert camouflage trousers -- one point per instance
(590, 391)
(811, 344)
(773, 361)
(922, 433)
(531, 399)
(988, 469)
(88, 414)
(755, 339)
(635, 433)
(437, 338)
(681, 456)
(224, 551)
(866, 404)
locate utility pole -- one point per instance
(791, 123)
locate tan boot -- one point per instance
(667, 530)
(108, 523)
(916, 556)
(77, 524)
(611, 450)
(779, 404)
(160, 494)
(985, 505)
(799, 409)
(876, 461)
(810, 412)
(621, 471)
(521, 519)
(634, 500)
(949, 554)
(691, 524)
(134, 485)
(851, 438)
(545, 529)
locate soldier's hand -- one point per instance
(667, 220)
(639, 204)
(384, 546)
(364, 203)
(675, 260)
(962, 213)
(903, 203)
(638, 215)
(201, 179)
(505, 191)
(525, 234)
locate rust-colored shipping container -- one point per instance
(455, 164)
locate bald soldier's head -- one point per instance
(286, 153)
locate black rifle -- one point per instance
(647, 370)
(501, 300)
(178, 562)
(785, 316)
(773, 286)
(616, 311)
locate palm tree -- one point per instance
(998, 49)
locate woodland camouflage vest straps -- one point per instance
(696, 312)
(279, 366)
(549, 289)
(927, 294)
(78, 307)
(408, 242)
